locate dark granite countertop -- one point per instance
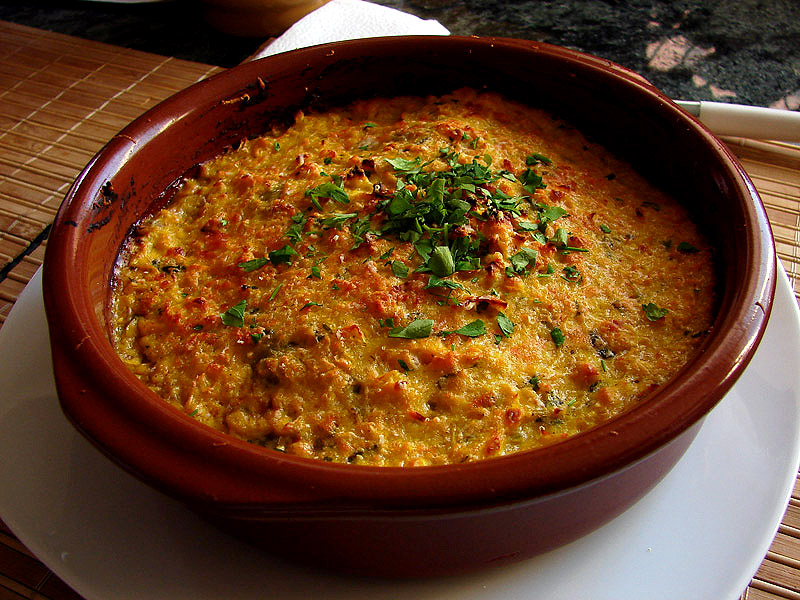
(745, 51)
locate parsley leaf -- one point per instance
(531, 181)
(336, 220)
(434, 282)
(234, 316)
(535, 158)
(521, 261)
(687, 248)
(295, 231)
(421, 328)
(252, 265)
(399, 269)
(548, 214)
(441, 261)
(505, 324)
(275, 292)
(557, 336)
(571, 273)
(284, 255)
(475, 329)
(404, 165)
(653, 312)
(327, 190)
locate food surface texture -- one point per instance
(412, 281)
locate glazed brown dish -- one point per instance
(390, 520)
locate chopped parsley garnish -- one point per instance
(429, 208)
(252, 265)
(434, 282)
(605, 228)
(336, 220)
(234, 316)
(359, 229)
(549, 272)
(406, 166)
(399, 269)
(535, 158)
(475, 329)
(275, 292)
(403, 365)
(282, 256)
(333, 190)
(653, 312)
(521, 261)
(531, 181)
(310, 304)
(421, 328)
(557, 336)
(687, 248)
(505, 324)
(432, 210)
(441, 261)
(560, 238)
(295, 231)
(572, 274)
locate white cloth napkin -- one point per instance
(348, 20)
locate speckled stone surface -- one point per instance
(745, 51)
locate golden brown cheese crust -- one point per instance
(267, 304)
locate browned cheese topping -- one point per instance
(412, 281)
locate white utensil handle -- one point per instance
(746, 121)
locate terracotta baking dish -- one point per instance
(395, 521)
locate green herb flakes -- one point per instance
(653, 312)
(386, 323)
(336, 220)
(441, 262)
(234, 316)
(399, 269)
(687, 248)
(328, 190)
(252, 265)
(474, 329)
(275, 292)
(521, 261)
(535, 158)
(557, 336)
(282, 256)
(421, 328)
(505, 324)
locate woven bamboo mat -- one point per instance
(61, 98)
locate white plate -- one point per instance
(701, 533)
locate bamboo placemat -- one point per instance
(62, 98)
